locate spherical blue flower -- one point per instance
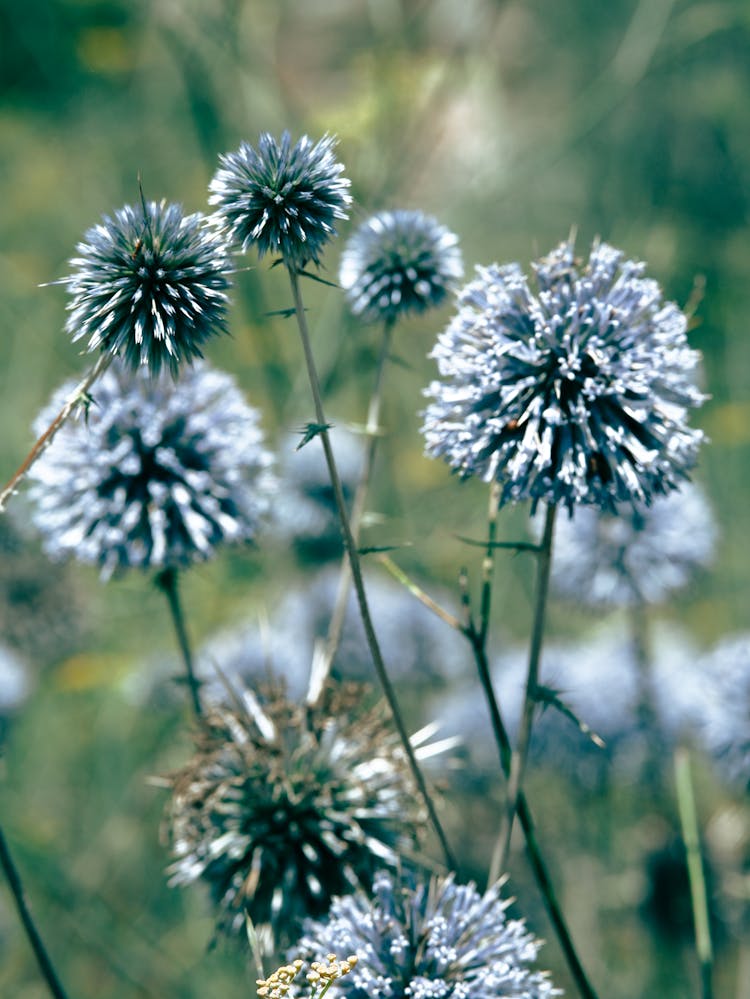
(149, 284)
(726, 718)
(429, 940)
(284, 806)
(399, 262)
(157, 474)
(284, 199)
(576, 394)
(639, 554)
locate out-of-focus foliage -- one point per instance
(510, 122)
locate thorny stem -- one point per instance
(76, 397)
(322, 668)
(536, 858)
(37, 944)
(167, 583)
(698, 898)
(356, 568)
(518, 761)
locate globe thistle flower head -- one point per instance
(399, 262)
(150, 285)
(577, 394)
(284, 806)
(285, 199)
(157, 475)
(640, 554)
(726, 707)
(430, 940)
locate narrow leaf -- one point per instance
(311, 430)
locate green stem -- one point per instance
(356, 568)
(27, 920)
(322, 668)
(698, 894)
(520, 756)
(76, 397)
(167, 583)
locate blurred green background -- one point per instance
(511, 122)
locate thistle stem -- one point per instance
(78, 394)
(323, 667)
(698, 895)
(168, 584)
(27, 920)
(520, 756)
(356, 568)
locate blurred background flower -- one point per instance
(304, 514)
(726, 702)
(41, 612)
(15, 684)
(639, 554)
(603, 686)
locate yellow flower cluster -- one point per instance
(277, 984)
(324, 973)
(321, 974)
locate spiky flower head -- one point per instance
(576, 394)
(430, 940)
(284, 806)
(283, 198)
(399, 262)
(726, 706)
(150, 285)
(639, 554)
(156, 476)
